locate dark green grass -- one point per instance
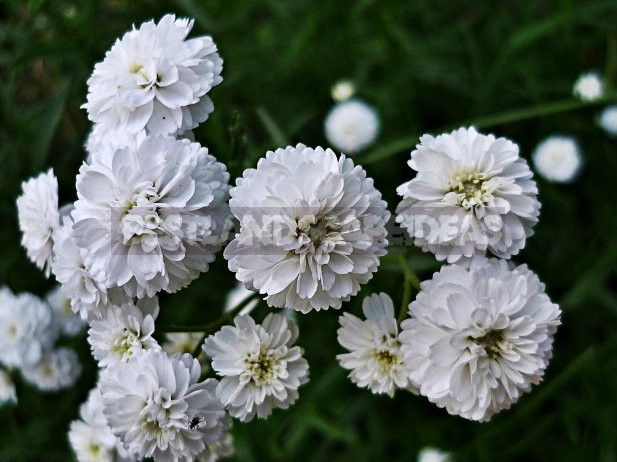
(426, 66)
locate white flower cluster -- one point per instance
(29, 328)
(351, 125)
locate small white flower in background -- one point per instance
(37, 210)
(261, 369)
(608, 119)
(91, 437)
(479, 337)
(151, 218)
(375, 357)
(588, 87)
(312, 228)
(557, 159)
(433, 455)
(185, 342)
(217, 450)
(56, 369)
(472, 193)
(237, 296)
(351, 126)
(170, 416)
(342, 90)
(153, 79)
(87, 296)
(67, 322)
(7, 389)
(26, 330)
(124, 331)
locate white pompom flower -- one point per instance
(7, 389)
(557, 159)
(124, 331)
(479, 337)
(151, 218)
(261, 368)
(342, 90)
(169, 416)
(55, 370)
(351, 126)
(37, 210)
(428, 454)
(26, 330)
(91, 437)
(67, 322)
(608, 119)
(312, 228)
(472, 193)
(375, 359)
(153, 79)
(588, 87)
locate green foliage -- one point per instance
(507, 67)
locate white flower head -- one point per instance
(7, 389)
(312, 228)
(170, 416)
(153, 79)
(55, 370)
(351, 126)
(375, 357)
(557, 159)
(91, 437)
(124, 331)
(472, 193)
(261, 368)
(219, 449)
(151, 218)
(88, 296)
(67, 322)
(588, 87)
(342, 90)
(429, 454)
(479, 337)
(26, 329)
(608, 119)
(37, 210)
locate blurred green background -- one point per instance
(427, 66)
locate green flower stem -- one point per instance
(411, 281)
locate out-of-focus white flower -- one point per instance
(67, 322)
(342, 90)
(588, 87)
(91, 437)
(479, 337)
(237, 296)
(608, 119)
(185, 342)
(433, 455)
(87, 296)
(170, 416)
(214, 451)
(375, 357)
(124, 331)
(472, 193)
(153, 79)
(55, 370)
(557, 159)
(261, 369)
(26, 330)
(351, 126)
(37, 210)
(151, 218)
(7, 389)
(312, 228)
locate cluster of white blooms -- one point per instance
(557, 159)
(312, 228)
(351, 126)
(261, 369)
(472, 193)
(29, 328)
(479, 337)
(588, 87)
(375, 358)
